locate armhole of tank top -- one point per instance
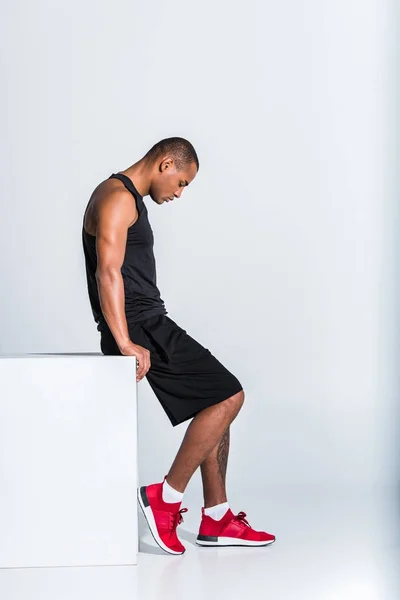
(139, 208)
(140, 205)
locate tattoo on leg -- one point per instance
(222, 454)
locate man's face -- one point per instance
(168, 183)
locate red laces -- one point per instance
(177, 518)
(241, 517)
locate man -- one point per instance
(188, 380)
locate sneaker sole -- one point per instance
(148, 515)
(207, 540)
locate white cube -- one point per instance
(68, 460)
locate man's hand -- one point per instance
(142, 356)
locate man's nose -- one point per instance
(178, 193)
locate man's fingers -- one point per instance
(144, 365)
(141, 370)
(147, 362)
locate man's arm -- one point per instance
(114, 215)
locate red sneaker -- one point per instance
(162, 517)
(231, 530)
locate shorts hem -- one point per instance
(181, 419)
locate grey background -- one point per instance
(280, 257)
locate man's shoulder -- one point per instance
(110, 202)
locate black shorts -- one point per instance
(183, 374)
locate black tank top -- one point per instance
(142, 297)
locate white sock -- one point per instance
(218, 511)
(169, 494)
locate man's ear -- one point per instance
(166, 163)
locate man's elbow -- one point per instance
(107, 273)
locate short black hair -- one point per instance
(180, 149)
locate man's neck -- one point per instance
(140, 174)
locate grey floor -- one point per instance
(335, 543)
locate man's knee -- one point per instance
(235, 402)
(240, 397)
